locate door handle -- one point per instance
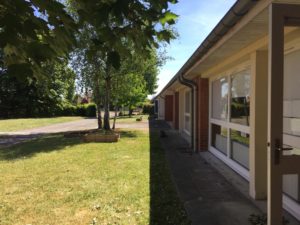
(278, 149)
(281, 149)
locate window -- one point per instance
(219, 138)
(240, 98)
(240, 147)
(220, 99)
(230, 118)
(187, 112)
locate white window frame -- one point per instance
(227, 159)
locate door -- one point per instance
(283, 147)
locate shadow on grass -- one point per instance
(32, 147)
(48, 143)
(165, 205)
(128, 134)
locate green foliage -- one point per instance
(148, 108)
(37, 97)
(32, 33)
(85, 110)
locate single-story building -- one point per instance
(238, 97)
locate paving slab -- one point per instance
(208, 197)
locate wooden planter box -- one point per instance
(100, 137)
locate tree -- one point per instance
(36, 32)
(33, 32)
(24, 98)
(136, 78)
(120, 27)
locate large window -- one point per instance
(230, 125)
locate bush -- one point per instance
(87, 110)
(90, 110)
(148, 108)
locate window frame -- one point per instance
(246, 66)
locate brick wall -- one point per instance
(169, 108)
(202, 114)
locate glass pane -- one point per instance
(188, 102)
(240, 98)
(220, 99)
(219, 138)
(291, 185)
(291, 103)
(187, 123)
(240, 147)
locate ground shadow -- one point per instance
(165, 206)
(38, 143)
(33, 147)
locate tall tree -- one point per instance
(38, 97)
(115, 24)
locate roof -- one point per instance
(234, 15)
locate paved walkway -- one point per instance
(211, 192)
(207, 196)
(10, 138)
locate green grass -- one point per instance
(127, 119)
(22, 124)
(56, 180)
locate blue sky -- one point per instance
(196, 19)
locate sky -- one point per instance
(196, 20)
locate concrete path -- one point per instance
(10, 138)
(84, 124)
(208, 197)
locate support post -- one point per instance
(258, 125)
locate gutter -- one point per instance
(194, 88)
(233, 16)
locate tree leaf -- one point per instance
(168, 17)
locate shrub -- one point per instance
(90, 110)
(148, 108)
(87, 110)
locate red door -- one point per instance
(169, 108)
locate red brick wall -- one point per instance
(176, 111)
(169, 108)
(202, 114)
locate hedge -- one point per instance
(148, 109)
(87, 110)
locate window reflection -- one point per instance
(220, 99)
(240, 98)
(240, 147)
(219, 138)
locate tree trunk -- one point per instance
(130, 111)
(106, 103)
(99, 117)
(115, 118)
(98, 102)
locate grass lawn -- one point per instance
(56, 180)
(132, 119)
(22, 124)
